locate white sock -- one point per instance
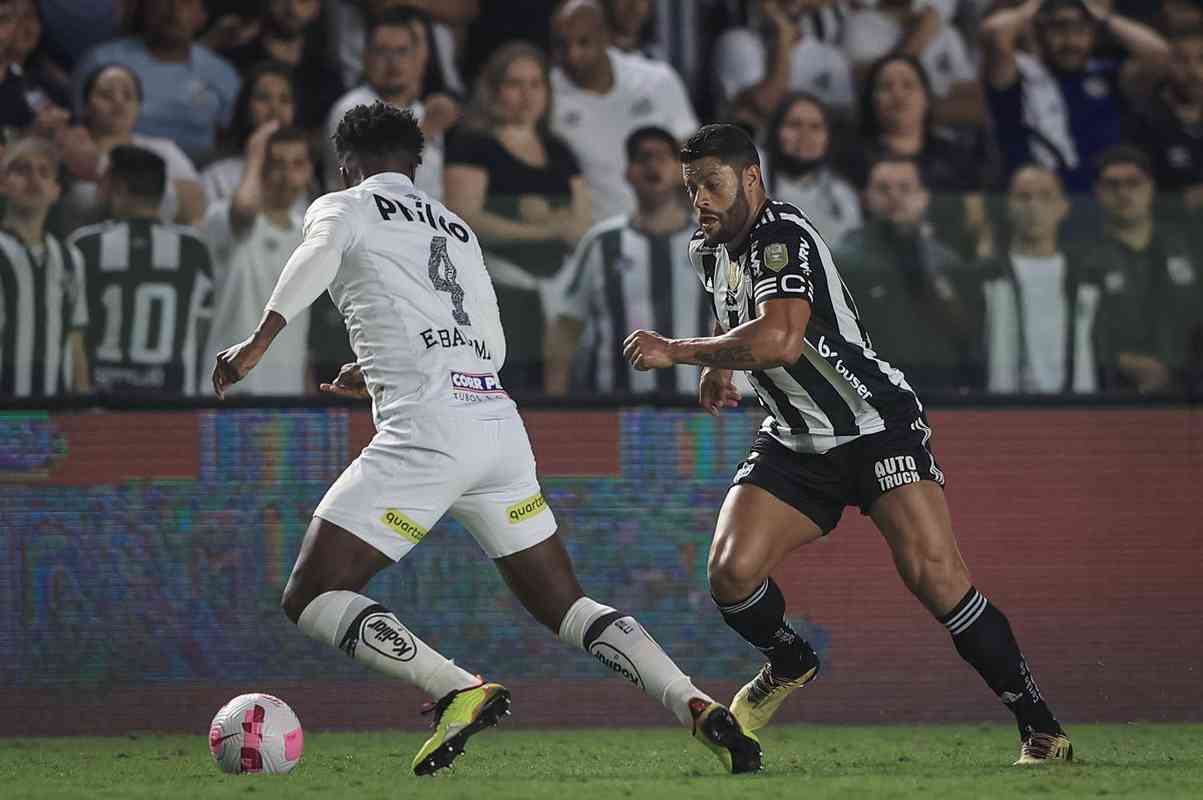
(621, 643)
(371, 634)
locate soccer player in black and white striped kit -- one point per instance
(843, 429)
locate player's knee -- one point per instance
(932, 576)
(734, 575)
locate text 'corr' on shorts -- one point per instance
(481, 471)
(821, 485)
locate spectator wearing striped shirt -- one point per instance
(150, 285)
(632, 271)
(42, 308)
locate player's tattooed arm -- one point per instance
(736, 356)
(773, 339)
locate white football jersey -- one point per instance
(409, 277)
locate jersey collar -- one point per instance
(390, 178)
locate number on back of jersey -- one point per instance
(442, 275)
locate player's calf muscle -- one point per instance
(331, 558)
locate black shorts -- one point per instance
(853, 474)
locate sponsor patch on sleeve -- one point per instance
(776, 256)
(525, 509)
(403, 525)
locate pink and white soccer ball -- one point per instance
(256, 733)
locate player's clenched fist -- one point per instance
(234, 363)
(647, 350)
(349, 383)
(717, 391)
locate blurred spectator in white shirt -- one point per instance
(251, 237)
(798, 170)
(600, 95)
(756, 68)
(1039, 314)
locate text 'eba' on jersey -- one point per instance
(840, 388)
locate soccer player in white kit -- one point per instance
(409, 278)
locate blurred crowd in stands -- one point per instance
(1013, 189)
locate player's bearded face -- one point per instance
(720, 199)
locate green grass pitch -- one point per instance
(943, 762)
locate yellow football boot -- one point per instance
(755, 704)
(457, 716)
(1045, 748)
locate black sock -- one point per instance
(983, 637)
(760, 619)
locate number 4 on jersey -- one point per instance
(442, 275)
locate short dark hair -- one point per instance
(729, 143)
(649, 132)
(1125, 154)
(380, 131)
(142, 172)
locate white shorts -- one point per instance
(414, 472)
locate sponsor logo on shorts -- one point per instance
(896, 471)
(404, 525)
(616, 660)
(474, 388)
(744, 471)
(525, 509)
(381, 633)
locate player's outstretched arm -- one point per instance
(309, 271)
(349, 383)
(235, 362)
(773, 339)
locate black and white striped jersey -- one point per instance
(150, 296)
(621, 279)
(840, 388)
(41, 302)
